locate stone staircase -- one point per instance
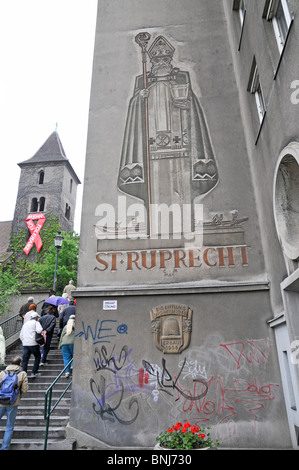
(30, 425)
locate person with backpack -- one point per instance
(13, 384)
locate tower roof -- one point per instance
(51, 151)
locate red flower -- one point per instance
(184, 430)
(177, 426)
(169, 430)
(202, 435)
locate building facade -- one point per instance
(186, 298)
(264, 43)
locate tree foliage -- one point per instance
(67, 263)
(9, 285)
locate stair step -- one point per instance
(37, 432)
(54, 352)
(40, 401)
(46, 376)
(41, 393)
(38, 420)
(14, 352)
(34, 444)
(45, 384)
(31, 410)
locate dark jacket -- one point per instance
(48, 323)
(65, 315)
(24, 309)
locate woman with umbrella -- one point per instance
(55, 301)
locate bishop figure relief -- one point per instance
(167, 155)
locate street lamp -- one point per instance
(58, 244)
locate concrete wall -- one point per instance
(125, 391)
(126, 387)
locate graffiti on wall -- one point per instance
(216, 385)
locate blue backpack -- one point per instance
(9, 388)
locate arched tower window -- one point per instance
(41, 177)
(34, 205)
(67, 211)
(37, 205)
(42, 204)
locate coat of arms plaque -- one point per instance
(171, 326)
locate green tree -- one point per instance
(67, 263)
(9, 285)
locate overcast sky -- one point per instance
(46, 53)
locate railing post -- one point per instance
(48, 410)
(47, 414)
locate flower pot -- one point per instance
(159, 447)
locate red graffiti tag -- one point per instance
(226, 403)
(240, 350)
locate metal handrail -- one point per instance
(13, 325)
(10, 326)
(48, 410)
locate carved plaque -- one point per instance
(171, 326)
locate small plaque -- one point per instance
(109, 304)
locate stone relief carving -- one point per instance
(167, 155)
(171, 326)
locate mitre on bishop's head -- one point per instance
(161, 48)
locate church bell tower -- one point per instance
(48, 184)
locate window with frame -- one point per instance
(255, 88)
(34, 205)
(42, 203)
(38, 205)
(239, 6)
(41, 177)
(67, 213)
(242, 11)
(278, 12)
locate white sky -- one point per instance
(46, 53)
